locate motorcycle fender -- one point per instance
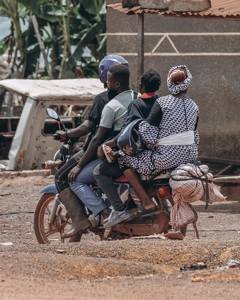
(49, 189)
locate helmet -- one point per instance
(109, 61)
(129, 140)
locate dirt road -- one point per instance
(128, 269)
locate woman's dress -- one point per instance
(169, 115)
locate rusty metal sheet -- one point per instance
(66, 90)
(220, 8)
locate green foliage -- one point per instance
(3, 46)
(32, 54)
(69, 29)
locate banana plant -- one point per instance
(93, 16)
(68, 28)
(75, 30)
(10, 9)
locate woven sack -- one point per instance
(182, 214)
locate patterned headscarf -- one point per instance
(177, 88)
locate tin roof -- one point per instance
(220, 8)
(83, 90)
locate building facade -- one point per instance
(211, 50)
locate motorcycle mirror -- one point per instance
(52, 114)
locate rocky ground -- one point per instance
(143, 268)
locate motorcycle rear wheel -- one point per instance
(46, 233)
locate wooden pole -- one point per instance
(41, 45)
(140, 45)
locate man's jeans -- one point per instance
(104, 175)
(61, 177)
(84, 192)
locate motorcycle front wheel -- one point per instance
(49, 232)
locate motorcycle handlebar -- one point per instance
(56, 137)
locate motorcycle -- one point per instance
(51, 218)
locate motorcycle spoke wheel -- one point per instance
(45, 232)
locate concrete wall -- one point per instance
(216, 78)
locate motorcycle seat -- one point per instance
(121, 179)
(165, 174)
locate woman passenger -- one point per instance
(169, 133)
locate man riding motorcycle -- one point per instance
(72, 203)
(139, 108)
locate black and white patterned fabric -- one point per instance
(178, 115)
(177, 88)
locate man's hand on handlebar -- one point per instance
(62, 135)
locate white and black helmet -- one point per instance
(109, 61)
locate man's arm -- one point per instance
(88, 125)
(106, 124)
(83, 129)
(91, 151)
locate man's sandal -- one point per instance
(141, 210)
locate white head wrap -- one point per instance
(177, 88)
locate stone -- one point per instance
(173, 5)
(129, 3)
(154, 4)
(189, 5)
(25, 173)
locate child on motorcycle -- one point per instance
(113, 117)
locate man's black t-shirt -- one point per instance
(98, 104)
(95, 114)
